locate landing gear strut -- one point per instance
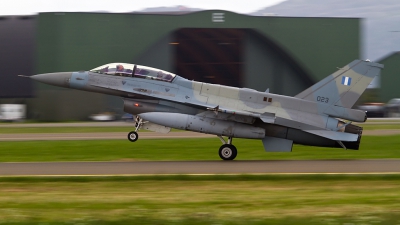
(227, 151)
(133, 135)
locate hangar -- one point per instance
(284, 54)
(390, 78)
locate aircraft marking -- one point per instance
(346, 80)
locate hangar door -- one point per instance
(210, 55)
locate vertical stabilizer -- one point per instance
(345, 86)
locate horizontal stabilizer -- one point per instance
(333, 135)
(273, 144)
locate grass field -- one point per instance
(370, 126)
(372, 147)
(244, 199)
(303, 199)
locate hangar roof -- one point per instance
(318, 45)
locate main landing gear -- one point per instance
(227, 151)
(133, 135)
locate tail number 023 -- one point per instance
(322, 99)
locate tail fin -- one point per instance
(345, 86)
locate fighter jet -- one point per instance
(319, 116)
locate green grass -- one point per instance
(380, 126)
(372, 147)
(393, 119)
(214, 177)
(202, 200)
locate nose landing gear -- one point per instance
(133, 135)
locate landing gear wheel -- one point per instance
(227, 152)
(133, 136)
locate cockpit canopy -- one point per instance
(131, 70)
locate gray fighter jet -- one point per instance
(319, 116)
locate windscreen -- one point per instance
(116, 69)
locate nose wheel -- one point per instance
(227, 151)
(133, 135)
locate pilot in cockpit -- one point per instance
(120, 69)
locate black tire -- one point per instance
(227, 152)
(133, 136)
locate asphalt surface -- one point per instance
(123, 135)
(74, 124)
(131, 124)
(97, 136)
(199, 167)
(142, 135)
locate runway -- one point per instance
(199, 167)
(98, 136)
(178, 167)
(142, 135)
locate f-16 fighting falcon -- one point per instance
(319, 116)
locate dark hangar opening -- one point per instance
(239, 58)
(210, 55)
(17, 44)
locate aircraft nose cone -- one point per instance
(57, 79)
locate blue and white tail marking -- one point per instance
(346, 80)
(343, 87)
